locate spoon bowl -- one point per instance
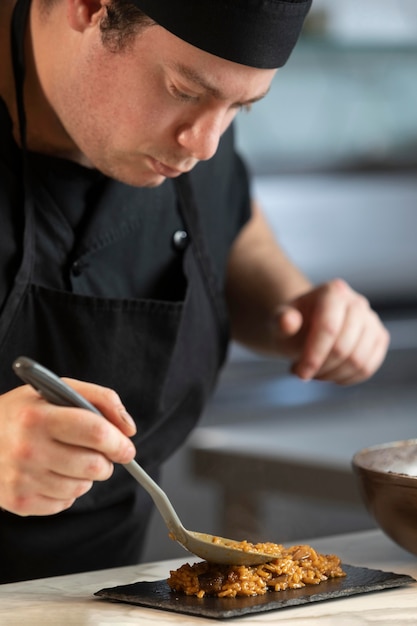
(208, 547)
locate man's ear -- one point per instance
(84, 13)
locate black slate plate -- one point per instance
(158, 595)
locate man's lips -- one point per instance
(165, 170)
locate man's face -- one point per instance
(153, 110)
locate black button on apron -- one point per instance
(77, 268)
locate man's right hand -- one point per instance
(51, 455)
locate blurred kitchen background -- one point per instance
(333, 151)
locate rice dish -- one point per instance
(295, 567)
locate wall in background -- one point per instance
(347, 97)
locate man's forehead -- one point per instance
(255, 33)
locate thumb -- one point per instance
(287, 321)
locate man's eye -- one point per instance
(181, 95)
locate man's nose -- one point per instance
(200, 138)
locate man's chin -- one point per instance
(144, 180)
(132, 176)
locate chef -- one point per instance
(131, 253)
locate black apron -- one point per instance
(161, 357)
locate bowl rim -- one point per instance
(358, 466)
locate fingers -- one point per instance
(59, 459)
(44, 493)
(108, 402)
(324, 329)
(288, 320)
(345, 341)
(361, 362)
(35, 504)
(46, 482)
(40, 423)
(84, 429)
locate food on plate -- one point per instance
(295, 567)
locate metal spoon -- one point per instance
(208, 547)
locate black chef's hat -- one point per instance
(258, 33)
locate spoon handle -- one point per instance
(49, 385)
(56, 391)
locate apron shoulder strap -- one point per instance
(189, 212)
(19, 21)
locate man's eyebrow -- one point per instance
(190, 74)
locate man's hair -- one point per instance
(121, 23)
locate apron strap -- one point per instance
(190, 215)
(14, 299)
(19, 20)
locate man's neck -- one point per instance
(44, 133)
